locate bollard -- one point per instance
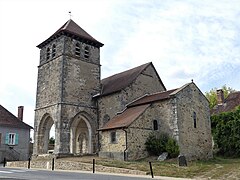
(4, 162)
(29, 161)
(53, 164)
(150, 164)
(93, 165)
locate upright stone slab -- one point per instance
(182, 160)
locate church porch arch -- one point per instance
(81, 135)
(44, 128)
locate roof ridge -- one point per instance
(146, 64)
(119, 81)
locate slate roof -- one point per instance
(152, 98)
(72, 29)
(121, 80)
(229, 104)
(126, 118)
(9, 120)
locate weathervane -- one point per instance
(70, 15)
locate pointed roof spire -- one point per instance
(72, 29)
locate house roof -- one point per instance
(126, 118)
(8, 119)
(121, 80)
(229, 104)
(152, 98)
(71, 28)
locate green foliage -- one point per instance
(156, 145)
(226, 133)
(212, 95)
(172, 148)
(51, 140)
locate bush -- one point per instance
(156, 145)
(225, 131)
(172, 148)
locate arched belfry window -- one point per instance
(86, 52)
(77, 49)
(48, 53)
(155, 125)
(53, 50)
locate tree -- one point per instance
(51, 140)
(212, 94)
(225, 131)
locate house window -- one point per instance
(77, 49)
(11, 139)
(48, 53)
(53, 50)
(113, 138)
(155, 125)
(194, 119)
(86, 52)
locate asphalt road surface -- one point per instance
(36, 174)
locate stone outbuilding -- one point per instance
(182, 113)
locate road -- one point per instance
(36, 174)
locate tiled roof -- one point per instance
(71, 28)
(229, 104)
(121, 80)
(126, 118)
(152, 98)
(8, 119)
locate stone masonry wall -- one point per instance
(195, 143)
(66, 84)
(140, 129)
(147, 82)
(113, 150)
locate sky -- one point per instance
(185, 40)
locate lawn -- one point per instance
(216, 168)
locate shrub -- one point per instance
(156, 145)
(172, 148)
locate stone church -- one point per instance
(113, 116)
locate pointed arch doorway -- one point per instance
(80, 135)
(45, 126)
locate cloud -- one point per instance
(184, 39)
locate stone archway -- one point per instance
(43, 134)
(80, 135)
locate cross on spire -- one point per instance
(70, 15)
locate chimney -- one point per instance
(220, 97)
(20, 113)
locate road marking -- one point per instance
(5, 172)
(13, 170)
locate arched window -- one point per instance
(77, 49)
(86, 52)
(48, 53)
(53, 50)
(155, 125)
(194, 119)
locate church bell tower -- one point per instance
(68, 77)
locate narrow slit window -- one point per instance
(113, 138)
(86, 52)
(194, 119)
(48, 53)
(53, 50)
(77, 49)
(155, 125)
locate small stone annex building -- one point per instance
(113, 116)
